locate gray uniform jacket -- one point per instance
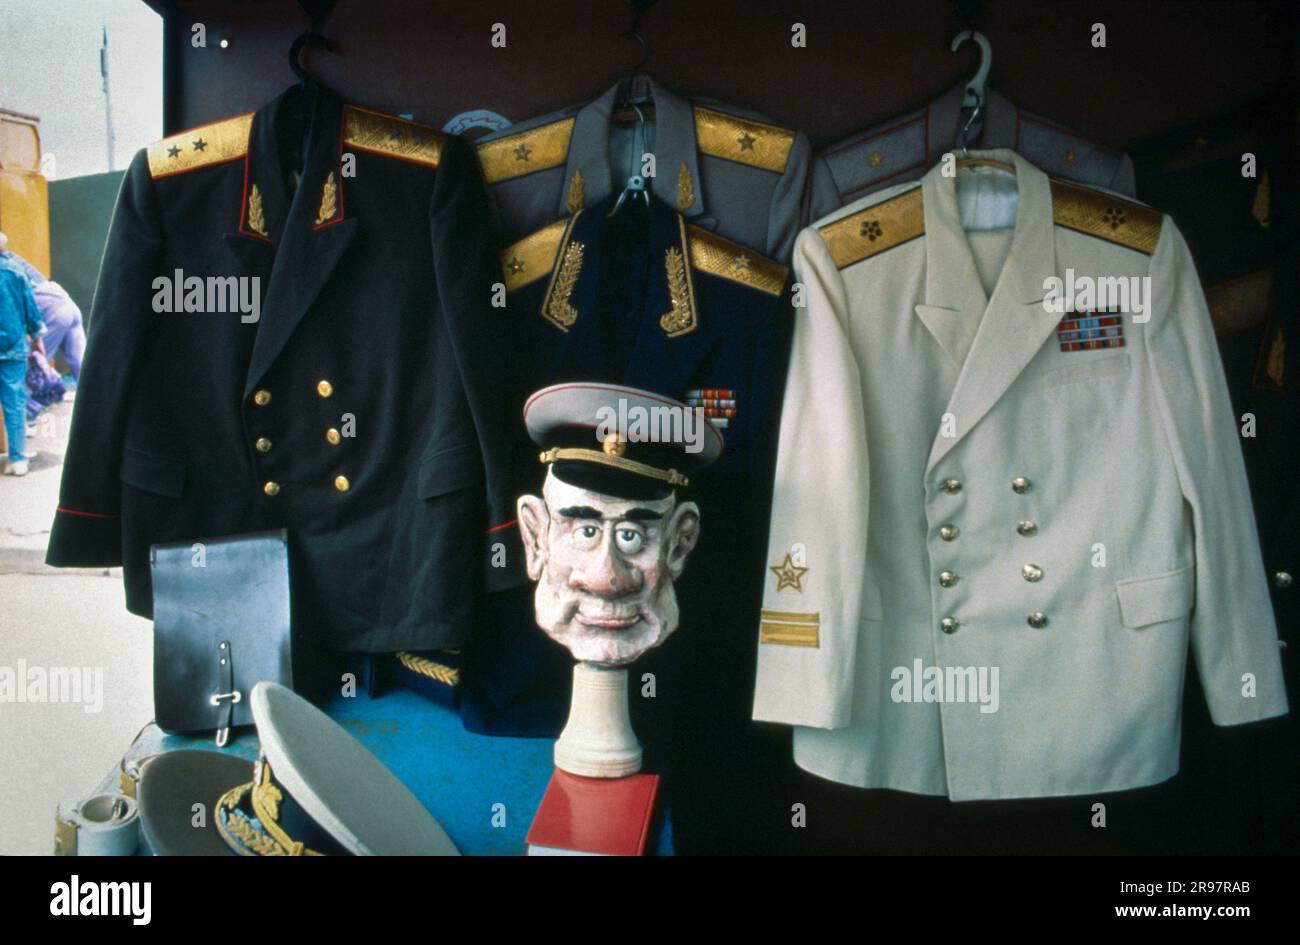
(725, 169)
(902, 149)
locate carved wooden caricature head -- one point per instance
(611, 532)
(605, 568)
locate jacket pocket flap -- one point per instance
(158, 474)
(449, 470)
(1148, 600)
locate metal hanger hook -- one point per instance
(975, 87)
(970, 123)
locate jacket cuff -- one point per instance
(80, 539)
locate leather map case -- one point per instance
(221, 624)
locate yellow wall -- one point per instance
(24, 196)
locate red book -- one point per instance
(594, 816)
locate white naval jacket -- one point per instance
(968, 484)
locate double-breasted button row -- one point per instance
(1026, 528)
(263, 444)
(949, 532)
(341, 483)
(1037, 620)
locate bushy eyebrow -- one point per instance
(642, 515)
(633, 515)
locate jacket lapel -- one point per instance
(589, 153)
(954, 295)
(259, 219)
(662, 356)
(666, 356)
(315, 235)
(1016, 324)
(677, 172)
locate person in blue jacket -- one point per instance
(20, 318)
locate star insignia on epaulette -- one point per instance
(200, 144)
(788, 574)
(740, 262)
(173, 151)
(871, 229)
(522, 152)
(1070, 157)
(746, 141)
(515, 265)
(1114, 217)
(394, 134)
(876, 159)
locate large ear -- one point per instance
(534, 521)
(683, 533)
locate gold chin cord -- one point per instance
(670, 476)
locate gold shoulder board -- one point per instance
(739, 139)
(221, 141)
(532, 257)
(716, 256)
(879, 227)
(391, 136)
(1105, 216)
(536, 149)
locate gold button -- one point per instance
(341, 483)
(949, 532)
(952, 486)
(1038, 620)
(262, 397)
(1021, 485)
(1027, 528)
(263, 445)
(332, 435)
(947, 578)
(1031, 573)
(324, 388)
(949, 624)
(271, 488)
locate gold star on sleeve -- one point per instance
(788, 574)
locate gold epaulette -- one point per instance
(526, 152)
(879, 227)
(1105, 216)
(532, 257)
(394, 137)
(716, 256)
(740, 139)
(221, 141)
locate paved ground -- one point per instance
(52, 618)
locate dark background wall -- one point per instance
(80, 210)
(1166, 63)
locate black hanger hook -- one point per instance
(317, 11)
(632, 32)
